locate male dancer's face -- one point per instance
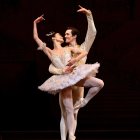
(68, 36)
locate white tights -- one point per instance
(68, 103)
(63, 128)
(95, 85)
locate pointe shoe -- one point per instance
(71, 137)
(80, 103)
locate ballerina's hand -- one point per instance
(68, 69)
(71, 62)
(84, 10)
(39, 19)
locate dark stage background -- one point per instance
(22, 68)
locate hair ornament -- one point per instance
(50, 33)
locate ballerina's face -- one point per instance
(59, 37)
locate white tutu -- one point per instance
(56, 83)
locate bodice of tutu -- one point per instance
(60, 61)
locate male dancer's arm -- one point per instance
(91, 31)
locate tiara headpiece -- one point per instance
(50, 33)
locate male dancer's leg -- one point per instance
(77, 94)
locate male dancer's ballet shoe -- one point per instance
(71, 137)
(80, 103)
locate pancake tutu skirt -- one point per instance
(56, 83)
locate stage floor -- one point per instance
(80, 135)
